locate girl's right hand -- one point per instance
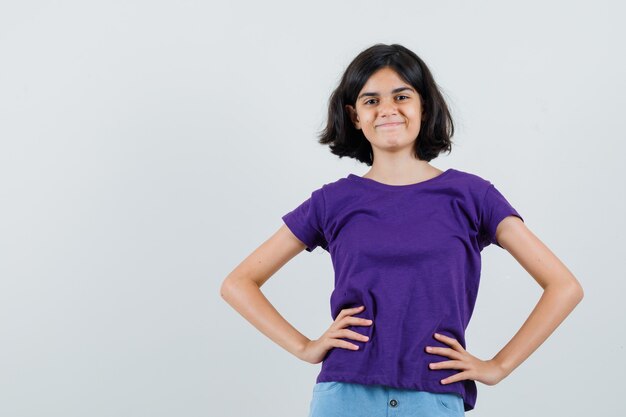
(315, 350)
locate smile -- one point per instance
(391, 124)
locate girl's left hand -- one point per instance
(488, 372)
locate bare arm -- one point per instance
(242, 289)
(562, 292)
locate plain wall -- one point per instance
(147, 147)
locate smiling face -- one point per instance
(388, 111)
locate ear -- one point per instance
(353, 116)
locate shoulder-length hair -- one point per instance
(436, 129)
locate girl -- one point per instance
(405, 240)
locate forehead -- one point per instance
(384, 78)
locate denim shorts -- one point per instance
(346, 399)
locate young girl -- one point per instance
(405, 241)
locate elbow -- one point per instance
(576, 292)
(580, 293)
(230, 286)
(571, 292)
(572, 288)
(226, 288)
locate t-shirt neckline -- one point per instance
(373, 183)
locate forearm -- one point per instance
(553, 307)
(247, 298)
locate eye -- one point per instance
(370, 101)
(402, 97)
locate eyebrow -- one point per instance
(395, 90)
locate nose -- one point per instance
(387, 108)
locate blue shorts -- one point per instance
(344, 399)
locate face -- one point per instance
(388, 111)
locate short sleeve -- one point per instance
(493, 210)
(306, 221)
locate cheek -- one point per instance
(415, 116)
(366, 120)
(368, 126)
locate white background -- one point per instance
(147, 147)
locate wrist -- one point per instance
(504, 369)
(301, 347)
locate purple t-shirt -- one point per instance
(411, 255)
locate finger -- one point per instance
(456, 378)
(442, 351)
(447, 365)
(359, 321)
(347, 334)
(350, 321)
(351, 334)
(349, 311)
(450, 341)
(343, 344)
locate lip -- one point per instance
(391, 124)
